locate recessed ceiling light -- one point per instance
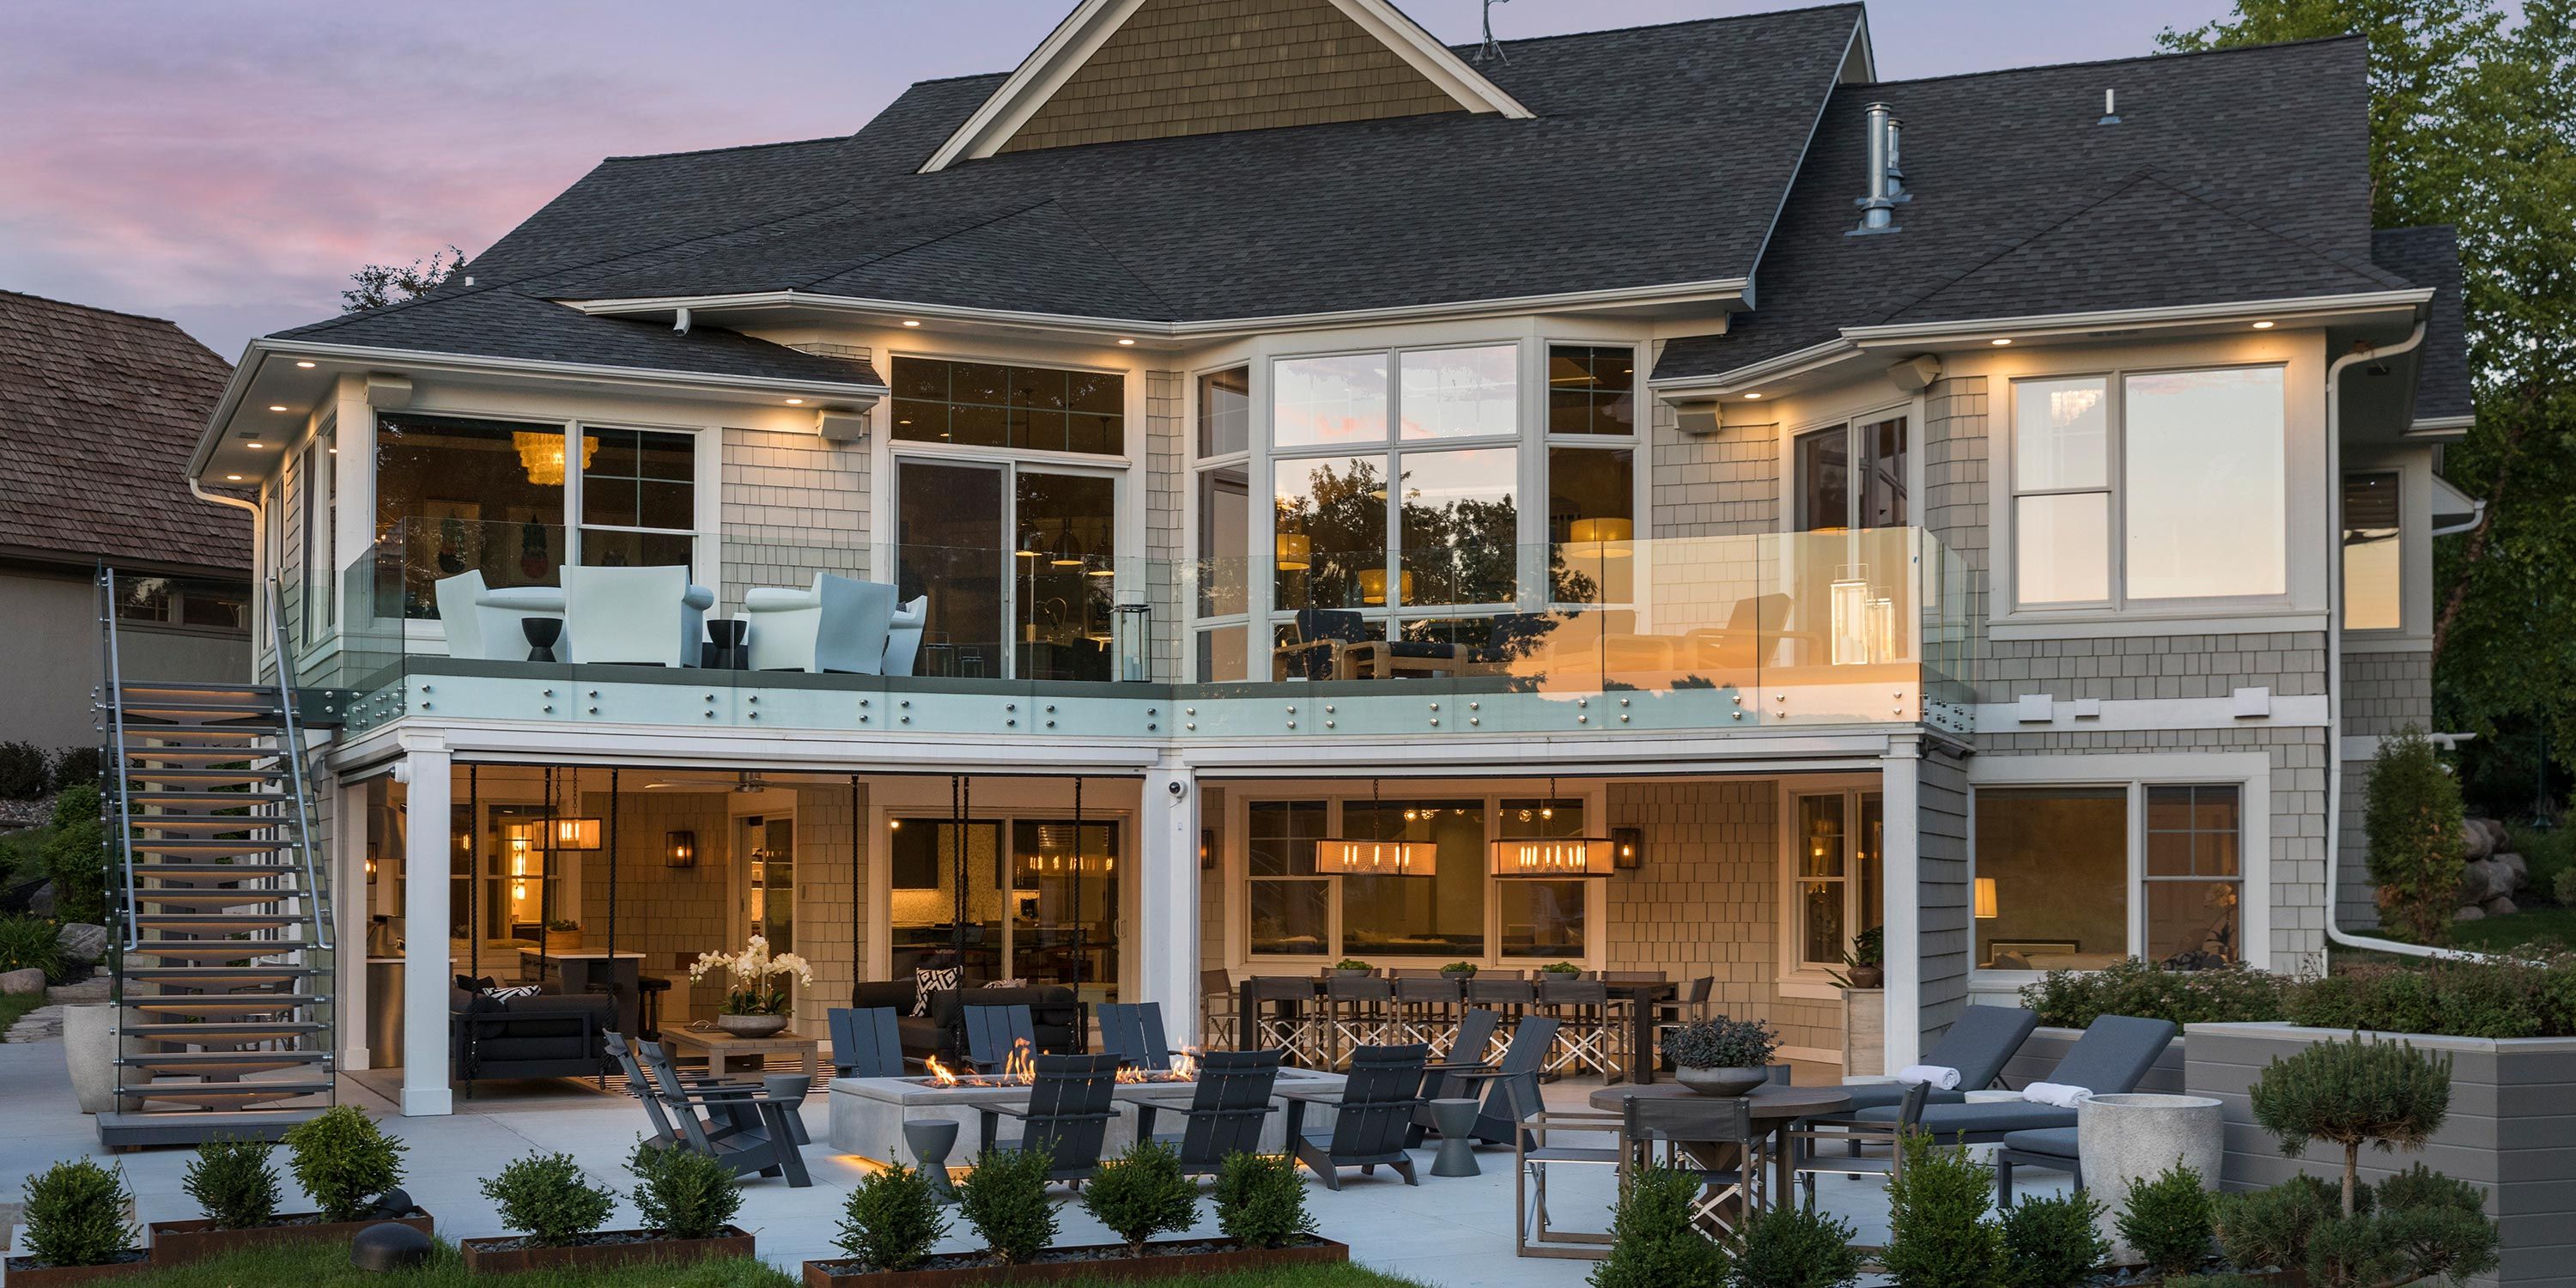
(795, 402)
(232, 478)
(259, 444)
(1124, 340)
(2000, 343)
(335, 451)
(2263, 326)
(308, 366)
(277, 406)
(911, 322)
(1752, 395)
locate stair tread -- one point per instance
(173, 1003)
(234, 1029)
(203, 872)
(225, 1059)
(197, 737)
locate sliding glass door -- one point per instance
(1019, 566)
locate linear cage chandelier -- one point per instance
(1546, 857)
(1368, 856)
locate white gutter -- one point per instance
(2335, 933)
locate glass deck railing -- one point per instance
(1878, 626)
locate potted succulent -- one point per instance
(1865, 965)
(1721, 1057)
(80, 1227)
(1459, 970)
(759, 1001)
(1562, 970)
(350, 1167)
(563, 933)
(687, 1201)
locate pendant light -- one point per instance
(1554, 857)
(1370, 857)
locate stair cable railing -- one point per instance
(293, 737)
(118, 783)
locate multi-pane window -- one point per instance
(1591, 473)
(1459, 911)
(2199, 500)
(2194, 879)
(1591, 390)
(639, 495)
(2373, 573)
(1225, 411)
(1837, 866)
(1291, 907)
(991, 404)
(1851, 476)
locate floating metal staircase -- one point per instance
(224, 971)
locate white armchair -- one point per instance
(642, 616)
(838, 625)
(903, 640)
(483, 623)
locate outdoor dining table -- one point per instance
(1645, 998)
(1775, 1108)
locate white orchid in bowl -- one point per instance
(759, 980)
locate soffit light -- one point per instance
(232, 478)
(1371, 857)
(1751, 397)
(1124, 341)
(911, 322)
(306, 365)
(1540, 858)
(2000, 341)
(795, 402)
(2264, 325)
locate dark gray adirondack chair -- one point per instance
(1380, 1091)
(1445, 1079)
(1522, 1063)
(788, 1089)
(1068, 1115)
(769, 1150)
(991, 1032)
(865, 1042)
(1133, 1032)
(1226, 1110)
(725, 1119)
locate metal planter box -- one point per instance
(19, 1274)
(178, 1242)
(2512, 1129)
(483, 1257)
(1083, 1264)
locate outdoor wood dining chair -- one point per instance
(1712, 1137)
(1586, 1031)
(1379, 1093)
(1225, 1112)
(1542, 1139)
(865, 1042)
(993, 1032)
(1070, 1105)
(1216, 1009)
(1282, 1014)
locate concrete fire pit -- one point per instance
(868, 1114)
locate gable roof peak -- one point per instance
(1131, 69)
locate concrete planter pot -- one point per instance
(2509, 1131)
(499, 1256)
(752, 1026)
(89, 1048)
(1721, 1082)
(179, 1242)
(2125, 1139)
(1106, 1261)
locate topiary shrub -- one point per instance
(234, 1183)
(681, 1193)
(892, 1220)
(2351, 1094)
(1789, 1246)
(76, 857)
(75, 1215)
(1653, 1241)
(1005, 1199)
(31, 943)
(344, 1161)
(23, 773)
(2412, 817)
(2436, 1225)
(1141, 1194)
(2053, 1242)
(1938, 1234)
(2270, 1229)
(550, 1199)
(2167, 1220)
(1261, 1201)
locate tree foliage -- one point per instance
(2412, 818)
(377, 285)
(2352, 1094)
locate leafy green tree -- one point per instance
(2355, 1093)
(2412, 817)
(378, 285)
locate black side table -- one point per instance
(728, 645)
(542, 632)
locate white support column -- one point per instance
(1167, 939)
(353, 478)
(425, 964)
(1901, 858)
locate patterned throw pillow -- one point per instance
(927, 979)
(1008, 983)
(512, 993)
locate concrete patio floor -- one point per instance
(1447, 1232)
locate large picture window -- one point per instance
(2199, 497)
(991, 404)
(2057, 888)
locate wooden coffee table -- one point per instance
(720, 1048)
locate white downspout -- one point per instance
(2335, 933)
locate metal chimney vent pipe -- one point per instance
(1895, 160)
(1878, 209)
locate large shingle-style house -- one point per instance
(1678, 500)
(98, 413)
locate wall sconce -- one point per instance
(1627, 848)
(1207, 849)
(371, 867)
(679, 849)
(1987, 906)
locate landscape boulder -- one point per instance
(2484, 879)
(2469, 914)
(82, 942)
(2517, 868)
(2499, 906)
(2475, 841)
(20, 983)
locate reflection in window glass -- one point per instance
(2204, 464)
(454, 496)
(1460, 393)
(1461, 527)
(1062, 570)
(1221, 655)
(2372, 575)
(2058, 858)
(1290, 907)
(1318, 401)
(2061, 432)
(1225, 516)
(1331, 527)
(1824, 857)
(987, 404)
(1442, 915)
(1824, 480)
(1225, 411)
(1591, 390)
(2194, 885)
(1591, 524)
(1881, 454)
(2061, 548)
(1541, 918)
(639, 479)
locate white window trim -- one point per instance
(2005, 529)
(2413, 466)
(1795, 978)
(2136, 772)
(1909, 410)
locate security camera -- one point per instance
(1175, 788)
(402, 771)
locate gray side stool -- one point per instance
(930, 1140)
(1455, 1120)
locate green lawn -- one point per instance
(2498, 933)
(14, 1007)
(328, 1267)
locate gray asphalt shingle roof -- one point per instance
(2431, 257)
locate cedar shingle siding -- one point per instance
(1210, 66)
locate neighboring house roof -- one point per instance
(2235, 176)
(1657, 155)
(98, 413)
(2431, 257)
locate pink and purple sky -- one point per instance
(227, 165)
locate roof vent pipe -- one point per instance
(2110, 108)
(1878, 209)
(1895, 161)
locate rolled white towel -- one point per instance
(2056, 1094)
(1941, 1076)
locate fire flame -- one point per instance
(1021, 1065)
(1020, 1069)
(939, 1072)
